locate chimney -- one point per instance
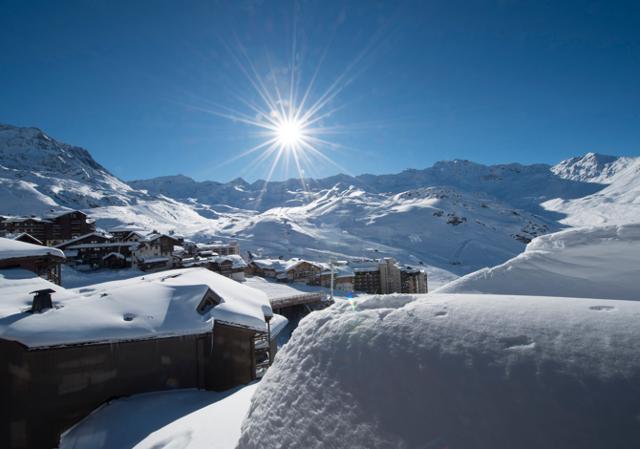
(41, 300)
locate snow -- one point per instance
(593, 262)
(151, 306)
(72, 278)
(16, 285)
(278, 323)
(276, 291)
(617, 203)
(185, 419)
(458, 371)
(11, 249)
(452, 218)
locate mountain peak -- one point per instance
(591, 167)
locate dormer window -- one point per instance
(209, 301)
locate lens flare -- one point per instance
(290, 134)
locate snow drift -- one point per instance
(455, 371)
(595, 262)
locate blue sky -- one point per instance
(135, 82)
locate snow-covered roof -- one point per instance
(280, 266)
(113, 254)
(411, 269)
(276, 291)
(104, 245)
(364, 266)
(82, 237)
(155, 305)
(11, 249)
(62, 213)
(339, 271)
(157, 259)
(127, 228)
(236, 260)
(277, 323)
(19, 235)
(21, 219)
(270, 264)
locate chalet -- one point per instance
(24, 237)
(122, 231)
(232, 266)
(154, 251)
(266, 268)
(90, 238)
(34, 226)
(65, 353)
(366, 277)
(40, 260)
(69, 224)
(292, 270)
(98, 255)
(52, 228)
(224, 249)
(343, 277)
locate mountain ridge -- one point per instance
(454, 217)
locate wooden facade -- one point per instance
(46, 266)
(47, 390)
(51, 229)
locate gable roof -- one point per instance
(152, 306)
(80, 238)
(15, 249)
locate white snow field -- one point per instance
(455, 371)
(593, 262)
(180, 419)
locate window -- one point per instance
(209, 301)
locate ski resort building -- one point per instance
(414, 280)
(53, 228)
(37, 259)
(225, 249)
(385, 276)
(292, 270)
(147, 251)
(343, 277)
(24, 237)
(66, 352)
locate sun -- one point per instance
(290, 133)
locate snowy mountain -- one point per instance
(592, 167)
(39, 174)
(454, 217)
(618, 202)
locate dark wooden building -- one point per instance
(52, 228)
(51, 379)
(40, 260)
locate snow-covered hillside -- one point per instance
(618, 202)
(454, 217)
(596, 262)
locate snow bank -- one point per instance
(185, 419)
(596, 262)
(155, 305)
(10, 249)
(456, 371)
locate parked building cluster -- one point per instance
(50, 229)
(375, 276)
